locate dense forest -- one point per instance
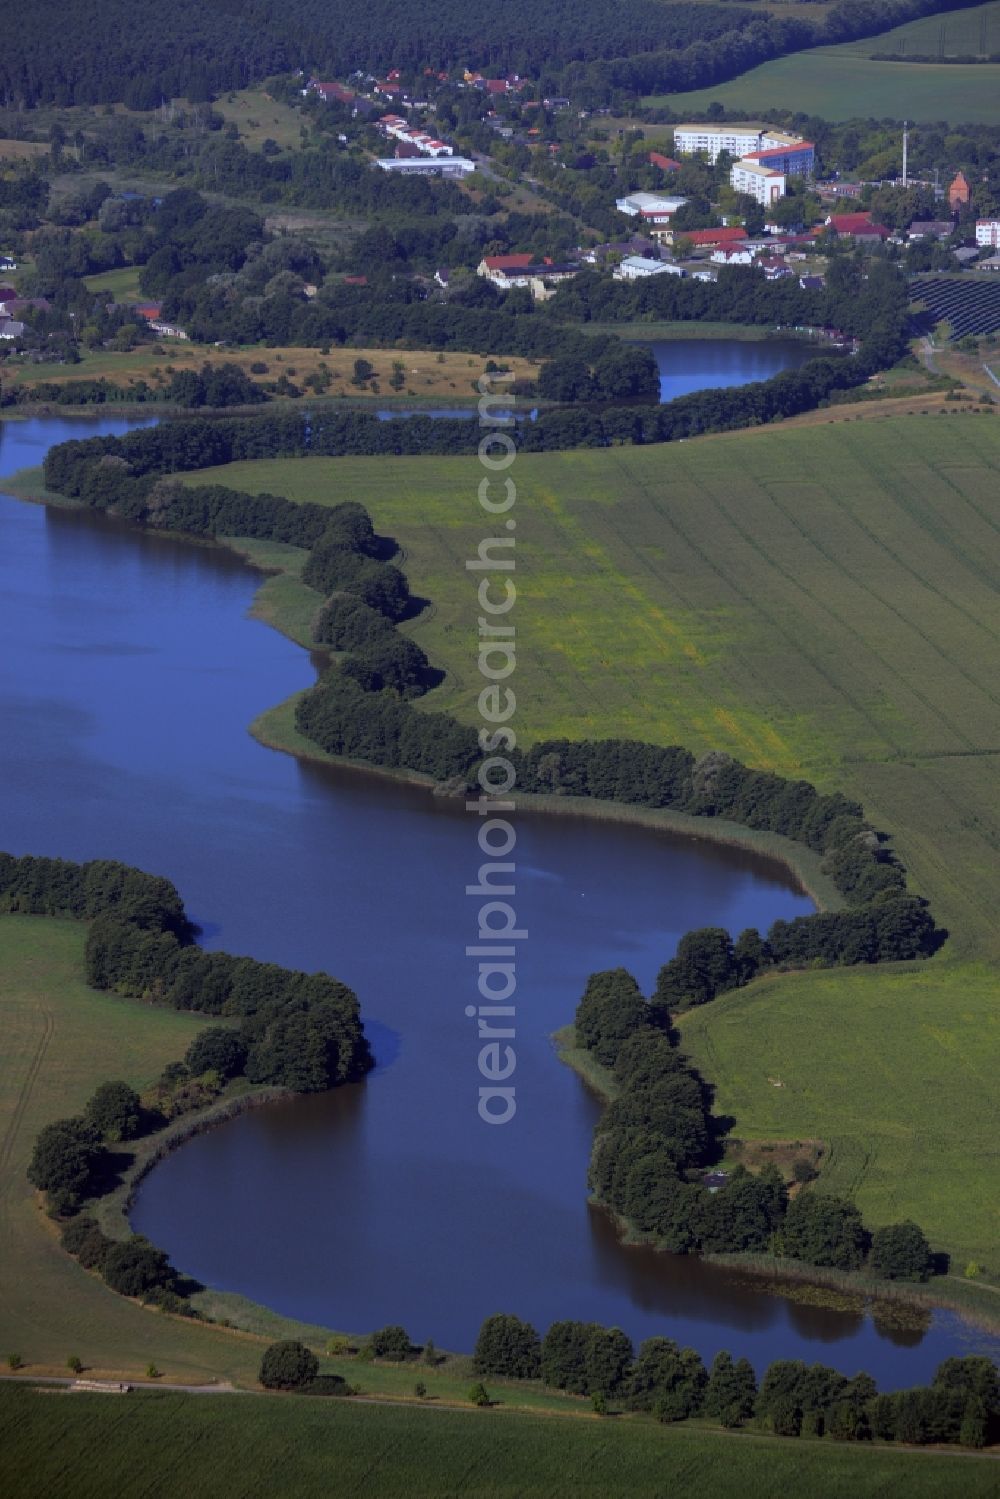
(589, 50)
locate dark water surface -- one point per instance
(128, 676)
(690, 364)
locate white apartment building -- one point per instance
(786, 153)
(988, 232)
(758, 181)
(713, 139)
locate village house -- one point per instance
(337, 93)
(665, 163)
(539, 276)
(740, 255)
(858, 226)
(638, 267)
(774, 268)
(714, 239)
(930, 229)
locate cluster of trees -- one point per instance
(962, 1405)
(217, 385)
(298, 1030)
(36, 886)
(894, 928)
(623, 372)
(658, 1134)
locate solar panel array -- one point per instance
(969, 304)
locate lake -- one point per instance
(690, 364)
(129, 674)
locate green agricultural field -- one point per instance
(972, 32)
(65, 1446)
(842, 83)
(788, 1052)
(817, 599)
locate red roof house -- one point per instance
(665, 163)
(856, 224)
(508, 262)
(712, 238)
(848, 223)
(328, 91)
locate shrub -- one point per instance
(327, 1384)
(288, 1365)
(114, 1112)
(508, 1348)
(901, 1252)
(478, 1395)
(391, 1342)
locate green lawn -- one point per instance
(78, 1446)
(818, 599)
(119, 286)
(842, 83)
